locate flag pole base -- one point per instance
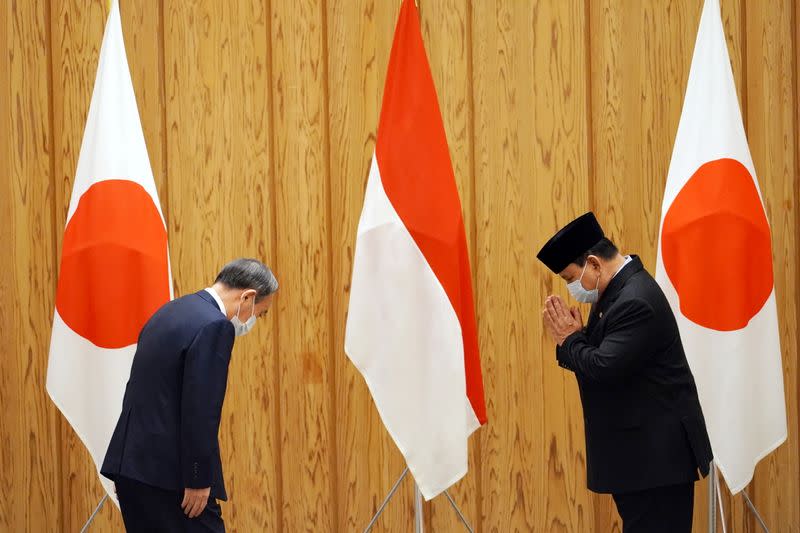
(715, 499)
(419, 519)
(755, 512)
(712, 498)
(94, 514)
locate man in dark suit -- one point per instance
(164, 454)
(646, 437)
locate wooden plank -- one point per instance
(447, 32)
(357, 60)
(77, 32)
(300, 147)
(29, 433)
(771, 128)
(527, 90)
(143, 30)
(8, 385)
(561, 192)
(637, 96)
(221, 207)
(531, 177)
(77, 35)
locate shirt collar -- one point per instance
(213, 293)
(628, 259)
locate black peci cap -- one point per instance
(571, 241)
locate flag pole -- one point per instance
(386, 501)
(712, 499)
(755, 511)
(458, 512)
(94, 514)
(419, 518)
(721, 507)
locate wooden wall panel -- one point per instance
(530, 158)
(357, 58)
(29, 436)
(771, 100)
(561, 192)
(77, 31)
(222, 206)
(503, 100)
(8, 426)
(260, 120)
(636, 101)
(447, 31)
(300, 141)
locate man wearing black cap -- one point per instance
(646, 437)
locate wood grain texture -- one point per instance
(357, 59)
(300, 143)
(636, 101)
(447, 32)
(511, 451)
(771, 99)
(260, 119)
(530, 157)
(222, 205)
(29, 431)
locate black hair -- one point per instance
(604, 249)
(248, 274)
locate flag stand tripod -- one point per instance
(418, 515)
(94, 514)
(714, 498)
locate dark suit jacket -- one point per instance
(643, 422)
(167, 433)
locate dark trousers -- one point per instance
(149, 509)
(660, 510)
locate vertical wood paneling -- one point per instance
(511, 453)
(637, 96)
(260, 119)
(771, 100)
(447, 31)
(29, 431)
(300, 143)
(8, 426)
(219, 160)
(352, 82)
(561, 192)
(357, 56)
(77, 32)
(144, 42)
(530, 151)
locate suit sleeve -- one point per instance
(205, 379)
(628, 340)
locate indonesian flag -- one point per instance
(411, 325)
(114, 262)
(715, 265)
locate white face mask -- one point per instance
(243, 328)
(582, 295)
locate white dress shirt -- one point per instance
(217, 299)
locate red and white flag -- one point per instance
(715, 265)
(114, 270)
(411, 325)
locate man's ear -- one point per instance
(594, 261)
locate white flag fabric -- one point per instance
(715, 265)
(411, 327)
(114, 271)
